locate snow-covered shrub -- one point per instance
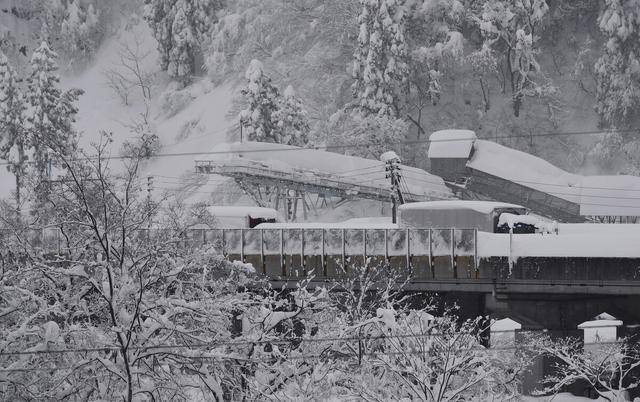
(173, 101)
(611, 369)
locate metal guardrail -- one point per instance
(277, 252)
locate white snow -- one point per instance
(485, 207)
(389, 156)
(451, 143)
(587, 244)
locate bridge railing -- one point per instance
(425, 252)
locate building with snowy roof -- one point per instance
(480, 168)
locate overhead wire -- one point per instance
(332, 147)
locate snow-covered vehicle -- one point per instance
(457, 214)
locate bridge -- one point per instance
(437, 259)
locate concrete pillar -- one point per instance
(503, 332)
(603, 328)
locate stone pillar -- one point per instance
(503, 332)
(603, 328)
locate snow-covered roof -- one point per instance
(480, 206)
(451, 143)
(505, 324)
(525, 169)
(596, 195)
(349, 169)
(601, 320)
(239, 212)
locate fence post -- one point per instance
(224, 243)
(322, 257)
(408, 251)
(302, 261)
(282, 267)
(386, 246)
(242, 245)
(476, 268)
(364, 247)
(264, 267)
(344, 267)
(453, 253)
(431, 264)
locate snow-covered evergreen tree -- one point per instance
(291, 123)
(52, 112)
(181, 58)
(181, 27)
(380, 68)
(13, 134)
(618, 69)
(263, 101)
(511, 29)
(79, 30)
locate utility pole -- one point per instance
(392, 169)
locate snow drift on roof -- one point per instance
(451, 143)
(480, 206)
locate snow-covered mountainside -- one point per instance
(311, 74)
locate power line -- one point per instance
(330, 147)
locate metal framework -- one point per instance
(292, 189)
